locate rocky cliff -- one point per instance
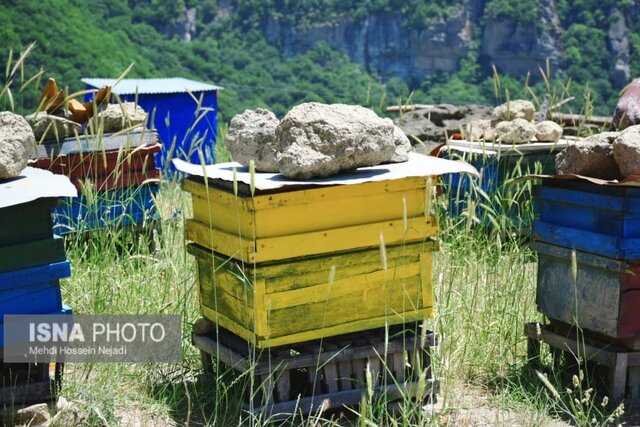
(386, 45)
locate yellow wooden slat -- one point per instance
(225, 322)
(337, 213)
(229, 284)
(357, 283)
(316, 243)
(303, 211)
(229, 219)
(262, 310)
(342, 239)
(359, 325)
(222, 302)
(300, 266)
(378, 300)
(308, 195)
(322, 194)
(219, 241)
(426, 272)
(220, 197)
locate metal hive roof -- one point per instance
(151, 86)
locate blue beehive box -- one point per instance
(32, 258)
(34, 290)
(184, 113)
(497, 164)
(106, 209)
(598, 219)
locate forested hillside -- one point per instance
(277, 53)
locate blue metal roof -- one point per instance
(151, 86)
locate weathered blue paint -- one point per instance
(495, 171)
(598, 219)
(65, 310)
(34, 275)
(38, 298)
(603, 298)
(113, 208)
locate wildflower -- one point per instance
(575, 381)
(605, 401)
(538, 330)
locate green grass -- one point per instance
(485, 289)
(484, 284)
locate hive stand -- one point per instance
(623, 364)
(27, 383)
(325, 374)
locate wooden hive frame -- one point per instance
(259, 301)
(271, 226)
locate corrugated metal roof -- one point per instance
(149, 86)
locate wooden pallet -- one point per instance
(325, 374)
(623, 364)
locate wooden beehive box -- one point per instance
(604, 297)
(282, 225)
(291, 301)
(598, 219)
(105, 170)
(265, 256)
(106, 209)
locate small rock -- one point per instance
(47, 127)
(591, 157)
(436, 123)
(627, 112)
(68, 414)
(480, 130)
(252, 136)
(203, 326)
(548, 131)
(626, 151)
(518, 109)
(403, 146)
(320, 140)
(122, 116)
(518, 131)
(16, 142)
(33, 415)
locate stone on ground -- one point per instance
(591, 157)
(47, 127)
(252, 136)
(433, 124)
(122, 116)
(68, 414)
(16, 142)
(33, 415)
(320, 140)
(548, 131)
(517, 109)
(480, 130)
(626, 151)
(518, 131)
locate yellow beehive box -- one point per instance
(291, 223)
(293, 301)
